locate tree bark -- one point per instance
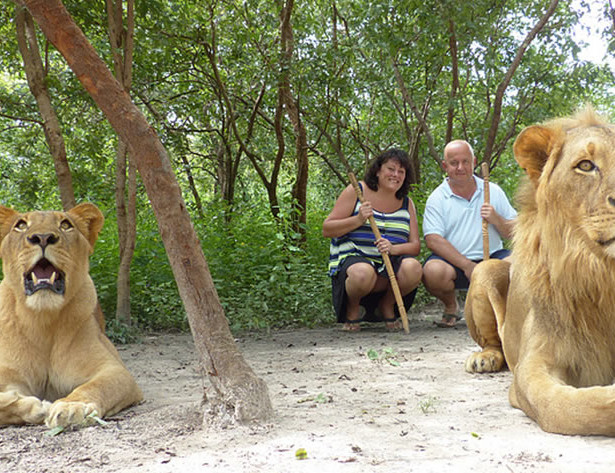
(242, 396)
(122, 46)
(299, 191)
(35, 74)
(271, 184)
(499, 95)
(126, 208)
(420, 117)
(452, 39)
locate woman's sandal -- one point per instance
(392, 325)
(351, 326)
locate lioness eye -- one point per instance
(586, 166)
(21, 225)
(66, 225)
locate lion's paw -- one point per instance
(64, 413)
(39, 411)
(487, 361)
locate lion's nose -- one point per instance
(611, 201)
(43, 239)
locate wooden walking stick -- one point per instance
(385, 257)
(485, 173)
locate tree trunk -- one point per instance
(242, 396)
(192, 184)
(186, 163)
(499, 95)
(35, 73)
(122, 41)
(452, 40)
(299, 192)
(270, 184)
(126, 228)
(420, 117)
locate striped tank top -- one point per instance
(394, 226)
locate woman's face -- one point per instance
(391, 175)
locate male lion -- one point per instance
(550, 315)
(56, 364)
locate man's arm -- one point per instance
(502, 225)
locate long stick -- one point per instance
(485, 173)
(385, 257)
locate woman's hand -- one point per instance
(384, 246)
(366, 210)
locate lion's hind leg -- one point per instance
(484, 313)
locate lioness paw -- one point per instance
(63, 413)
(16, 408)
(485, 362)
(38, 412)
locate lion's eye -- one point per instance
(21, 225)
(66, 225)
(586, 166)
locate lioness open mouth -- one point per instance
(44, 275)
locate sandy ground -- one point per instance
(366, 402)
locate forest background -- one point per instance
(256, 103)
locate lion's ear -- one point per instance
(6, 217)
(532, 149)
(89, 220)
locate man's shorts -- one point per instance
(370, 301)
(461, 281)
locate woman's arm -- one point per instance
(341, 221)
(413, 247)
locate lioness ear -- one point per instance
(89, 221)
(532, 149)
(6, 217)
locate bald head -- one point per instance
(458, 146)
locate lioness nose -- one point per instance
(611, 201)
(43, 239)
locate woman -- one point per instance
(359, 277)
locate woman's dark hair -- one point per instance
(371, 175)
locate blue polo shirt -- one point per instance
(458, 220)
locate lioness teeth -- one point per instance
(34, 279)
(52, 278)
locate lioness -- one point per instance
(551, 314)
(56, 364)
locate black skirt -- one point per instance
(369, 302)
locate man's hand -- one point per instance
(488, 213)
(503, 226)
(468, 268)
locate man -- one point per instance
(452, 225)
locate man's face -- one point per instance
(458, 162)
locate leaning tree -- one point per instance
(241, 395)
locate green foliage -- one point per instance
(428, 405)
(120, 333)
(387, 354)
(264, 276)
(342, 76)
(155, 301)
